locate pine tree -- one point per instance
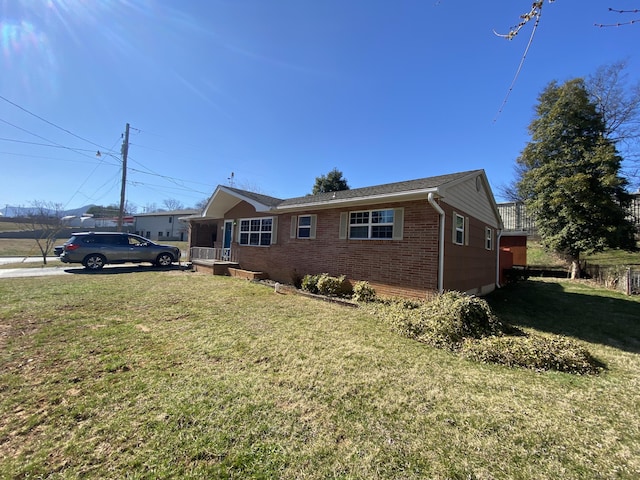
(569, 176)
(332, 182)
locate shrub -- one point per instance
(296, 279)
(333, 286)
(310, 283)
(534, 351)
(453, 317)
(445, 321)
(363, 292)
(325, 284)
(466, 324)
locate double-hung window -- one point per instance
(304, 226)
(488, 242)
(256, 231)
(372, 224)
(460, 230)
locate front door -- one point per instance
(226, 241)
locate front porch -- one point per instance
(220, 261)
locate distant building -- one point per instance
(163, 226)
(516, 219)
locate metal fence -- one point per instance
(625, 279)
(516, 219)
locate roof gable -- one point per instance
(225, 198)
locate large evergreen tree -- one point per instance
(569, 176)
(331, 182)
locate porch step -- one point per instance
(214, 267)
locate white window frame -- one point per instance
(460, 229)
(309, 220)
(370, 224)
(488, 238)
(248, 228)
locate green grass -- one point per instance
(537, 256)
(183, 375)
(7, 226)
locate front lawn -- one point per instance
(184, 375)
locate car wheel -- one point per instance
(94, 262)
(164, 260)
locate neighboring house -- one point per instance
(89, 222)
(411, 239)
(163, 226)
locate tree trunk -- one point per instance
(575, 268)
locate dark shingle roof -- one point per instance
(258, 197)
(378, 190)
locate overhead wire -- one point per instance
(515, 77)
(49, 122)
(106, 152)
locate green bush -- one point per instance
(333, 286)
(363, 292)
(310, 283)
(535, 352)
(325, 284)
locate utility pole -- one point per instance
(125, 152)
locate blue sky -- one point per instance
(276, 91)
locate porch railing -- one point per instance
(212, 254)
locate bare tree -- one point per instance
(172, 204)
(201, 204)
(150, 208)
(536, 11)
(619, 103)
(44, 220)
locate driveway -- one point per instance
(55, 267)
(33, 272)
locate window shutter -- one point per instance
(344, 218)
(466, 230)
(294, 226)
(398, 223)
(274, 230)
(453, 228)
(314, 221)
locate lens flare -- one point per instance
(26, 56)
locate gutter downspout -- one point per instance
(498, 259)
(438, 209)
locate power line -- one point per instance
(48, 122)
(178, 182)
(53, 144)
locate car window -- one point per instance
(135, 241)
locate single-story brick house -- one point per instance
(411, 239)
